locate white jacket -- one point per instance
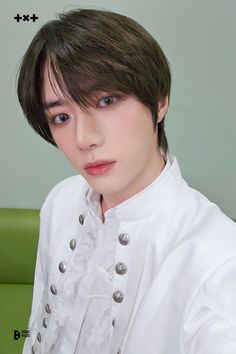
(180, 287)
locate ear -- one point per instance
(162, 107)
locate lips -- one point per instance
(99, 170)
(98, 163)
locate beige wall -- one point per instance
(198, 38)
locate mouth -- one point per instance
(100, 169)
(98, 163)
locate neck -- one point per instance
(104, 207)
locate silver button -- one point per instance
(81, 219)
(48, 308)
(62, 267)
(118, 296)
(33, 349)
(124, 239)
(121, 268)
(53, 289)
(72, 244)
(39, 337)
(113, 322)
(45, 322)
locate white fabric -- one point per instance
(180, 287)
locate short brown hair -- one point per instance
(90, 50)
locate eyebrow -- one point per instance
(50, 104)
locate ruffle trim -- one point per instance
(73, 289)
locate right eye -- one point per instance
(59, 119)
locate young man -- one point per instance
(130, 258)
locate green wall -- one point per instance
(198, 38)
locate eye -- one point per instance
(59, 119)
(108, 100)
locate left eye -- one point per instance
(108, 100)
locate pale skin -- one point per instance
(119, 129)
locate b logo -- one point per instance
(16, 335)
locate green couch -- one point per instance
(18, 248)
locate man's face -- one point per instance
(118, 129)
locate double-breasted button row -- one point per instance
(118, 296)
(121, 268)
(62, 268)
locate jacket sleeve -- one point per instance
(210, 326)
(39, 278)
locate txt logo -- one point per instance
(26, 18)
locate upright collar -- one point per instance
(154, 197)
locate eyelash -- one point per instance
(52, 120)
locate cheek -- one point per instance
(135, 142)
(62, 139)
(137, 131)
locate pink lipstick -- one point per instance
(100, 169)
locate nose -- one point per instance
(86, 130)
